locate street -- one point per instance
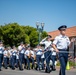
(34, 72)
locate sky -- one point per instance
(53, 13)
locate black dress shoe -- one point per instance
(25, 67)
(35, 68)
(32, 67)
(10, 66)
(6, 68)
(13, 68)
(0, 70)
(47, 70)
(16, 66)
(54, 69)
(21, 69)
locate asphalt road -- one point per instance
(34, 72)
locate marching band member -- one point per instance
(32, 57)
(48, 45)
(1, 53)
(61, 43)
(28, 55)
(5, 57)
(25, 59)
(38, 56)
(14, 51)
(10, 56)
(21, 49)
(17, 59)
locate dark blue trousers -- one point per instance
(42, 60)
(63, 58)
(53, 58)
(1, 59)
(13, 61)
(32, 60)
(5, 62)
(38, 58)
(48, 57)
(10, 61)
(28, 62)
(17, 61)
(21, 59)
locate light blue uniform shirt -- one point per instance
(1, 50)
(39, 52)
(22, 51)
(47, 44)
(14, 53)
(62, 42)
(5, 53)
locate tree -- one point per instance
(13, 34)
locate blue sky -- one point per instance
(53, 13)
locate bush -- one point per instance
(71, 63)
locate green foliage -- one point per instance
(44, 34)
(1, 33)
(28, 29)
(13, 34)
(58, 63)
(33, 38)
(71, 63)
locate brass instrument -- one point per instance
(34, 57)
(29, 54)
(8, 55)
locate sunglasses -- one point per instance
(63, 30)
